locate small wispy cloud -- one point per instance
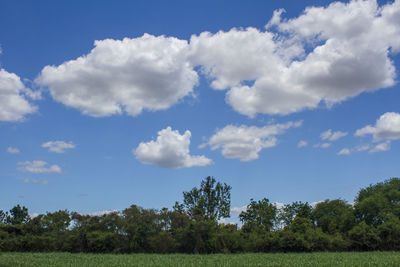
(332, 136)
(58, 146)
(35, 181)
(13, 150)
(302, 143)
(38, 166)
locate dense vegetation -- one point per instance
(372, 223)
(335, 259)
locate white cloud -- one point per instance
(323, 145)
(302, 143)
(328, 54)
(101, 213)
(238, 210)
(387, 127)
(245, 142)
(38, 166)
(13, 150)
(170, 150)
(362, 148)
(344, 151)
(13, 103)
(129, 75)
(332, 136)
(278, 205)
(58, 146)
(385, 146)
(35, 181)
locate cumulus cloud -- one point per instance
(170, 150)
(130, 75)
(387, 127)
(302, 143)
(38, 166)
(332, 136)
(245, 142)
(58, 146)
(327, 54)
(14, 105)
(13, 150)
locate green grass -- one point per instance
(228, 260)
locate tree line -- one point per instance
(371, 223)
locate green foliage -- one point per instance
(18, 215)
(259, 215)
(377, 202)
(334, 216)
(296, 209)
(389, 232)
(364, 237)
(192, 227)
(212, 201)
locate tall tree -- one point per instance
(378, 202)
(296, 209)
(334, 216)
(212, 201)
(259, 215)
(19, 215)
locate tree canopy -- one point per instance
(372, 223)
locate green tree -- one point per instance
(212, 201)
(334, 216)
(58, 221)
(389, 232)
(139, 225)
(4, 217)
(296, 209)
(260, 215)
(19, 215)
(377, 202)
(364, 237)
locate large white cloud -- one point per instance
(245, 142)
(387, 127)
(13, 103)
(327, 54)
(129, 75)
(58, 146)
(38, 166)
(170, 150)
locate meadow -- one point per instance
(185, 260)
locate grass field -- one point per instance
(231, 260)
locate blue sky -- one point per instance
(303, 105)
